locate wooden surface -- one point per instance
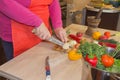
(31, 64)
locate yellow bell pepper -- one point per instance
(96, 35)
(73, 55)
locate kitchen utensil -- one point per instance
(53, 39)
(56, 41)
(47, 68)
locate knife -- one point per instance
(47, 68)
(52, 39)
(55, 41)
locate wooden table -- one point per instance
(31, 64)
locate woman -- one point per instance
(19, 17)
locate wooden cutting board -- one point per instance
(31, 65)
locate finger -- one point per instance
(37, 31)
(48, 37)
(61, 37)
(65, 38)
(41, 36)
(44, 37)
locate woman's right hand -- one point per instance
(42, 32)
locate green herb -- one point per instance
(116, 50)
(92, 49)
(100, 65)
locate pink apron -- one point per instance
(22, 35)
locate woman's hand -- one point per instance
(42, 32)
(61, 34)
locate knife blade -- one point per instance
(56, 41)
(52, 39)
(47, 68)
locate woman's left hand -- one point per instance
(61, 34)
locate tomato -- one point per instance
(107, 34)
(107, 60)
(73, 55)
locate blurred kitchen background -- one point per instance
(77, 11)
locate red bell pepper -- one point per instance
(92, 61)
(74, 37)
(108, 44)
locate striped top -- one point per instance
(18, 10)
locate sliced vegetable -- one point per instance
(92, 61)
(72, 43)
(69, 44)
(66, 46)
(107, 60)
